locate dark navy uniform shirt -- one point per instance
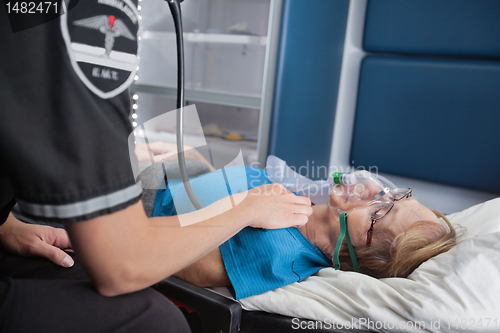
(64, 124)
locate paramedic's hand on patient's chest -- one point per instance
(35, 240)
(125, 251)
(274, 207)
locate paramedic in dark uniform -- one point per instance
(64, 156)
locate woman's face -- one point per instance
(395, 222)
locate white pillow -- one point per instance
(455, 290)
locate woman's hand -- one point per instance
(164, 151)
(35, 240)
(274, 207)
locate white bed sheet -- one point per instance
(454, 291)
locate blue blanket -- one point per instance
(256, 260)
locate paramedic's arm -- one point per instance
(35, 240)
(125, 251)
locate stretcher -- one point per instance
(209, 312)
(444, 294)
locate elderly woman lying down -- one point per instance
(387, 234)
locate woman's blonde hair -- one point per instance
(401, 255)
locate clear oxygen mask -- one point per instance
(352, 189)
(345, 187)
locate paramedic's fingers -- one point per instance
(277, 188)
(273, 207)
(302, 207)
(277, 216)
(35, 240)
(302, 201)
(52, 252)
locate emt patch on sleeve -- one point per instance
(102, 41)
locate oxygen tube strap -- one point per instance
(344, 233)
(343, 228)
(351, 249)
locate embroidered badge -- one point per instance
(102, 41)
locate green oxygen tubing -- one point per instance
(344, 233)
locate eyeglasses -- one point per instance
(379, 209)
